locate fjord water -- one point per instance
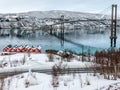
(74, 40)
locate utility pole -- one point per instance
(82, 53)
(113, 36)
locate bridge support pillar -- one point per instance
(113, 36)
(62, 30)
(51, 28)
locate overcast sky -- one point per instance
(13, 6)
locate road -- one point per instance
(16, 71)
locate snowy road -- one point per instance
(48, 70)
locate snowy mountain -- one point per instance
(36, 19)
(58, 13)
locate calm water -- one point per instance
(74, 39)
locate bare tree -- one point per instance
(109, 63)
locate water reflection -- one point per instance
(73, 39)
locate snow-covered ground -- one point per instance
(42, 81)
(24, 62)
(39, 81)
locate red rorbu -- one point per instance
(19, 49)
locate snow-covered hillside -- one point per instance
(36, 19)
(58, 13)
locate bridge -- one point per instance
(81, 20)
(112, 24)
